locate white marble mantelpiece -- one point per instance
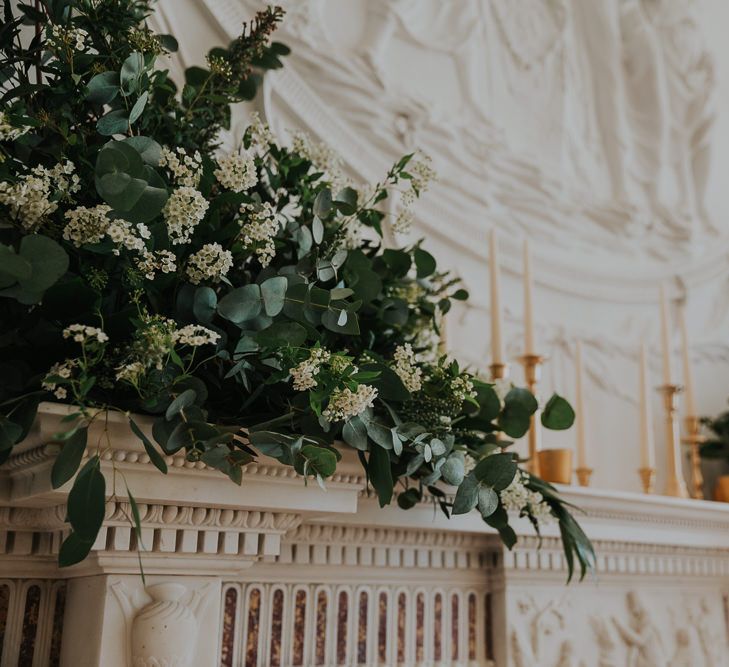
(275, 546)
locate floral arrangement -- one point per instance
(246, 300)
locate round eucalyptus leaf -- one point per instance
(114, 122)
(454, 469)
(488, 501)
(103, 88)
(558, 414)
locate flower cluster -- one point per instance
(145, 41)
(125, 234)
(80, 333)
(183, 210)
(406, 368)
(8, 131)
(462, 388)
(186, 169)
(211, 263)
(518, 498)
(36, 195)
(130, 372)
(71, 37)
(260, 134)
(195, 335)
(236, 172)
(304, 374)
(322, 156)
(421, 175)
(150, 263)
(403, 221)
(86, 225)
(220, 67)
(346, 403)
(63, 370)
(259, 229)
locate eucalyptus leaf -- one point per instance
(273, 293)
(114, 122)
(466, 495)
(354, 433)
(86, 501)
(241, 304)
(103, 88)
(488, 501)
(138, 107)
(558, 414)
(69, 458)
(380, 474)
(496, 471)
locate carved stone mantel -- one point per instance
(263, 570)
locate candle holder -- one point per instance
(499, 371)
(583, 476)
(675, 485)
(532, 373)
(647, 478)
(694, 440)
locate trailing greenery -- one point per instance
(246, 300)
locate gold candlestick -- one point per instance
(532, 372)
(499, 371)
(647, 478)
(694, 440)
(675, 485)
(583, 476)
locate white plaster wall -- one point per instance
(520, 148)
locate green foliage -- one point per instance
(716, 445)
(231, 299)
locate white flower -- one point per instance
(81, 333)
(186, 169)
(259, 230)
(237, 172)
(422, 173)
(86, 225)
(35, 196)
(261, 134)
(211, 262)
(62, 369)
(73, 37)
(124, 234)
(10, 132)
(462, 388)
(195, 335)
(130, 372)
(403, 221)
(353, 234)
(159, 260)
(469, 463)
(183, 210)
(304, 374)
(517, 498)
(322, 157)
(407, 371)
(346, 403)
(154, 340)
